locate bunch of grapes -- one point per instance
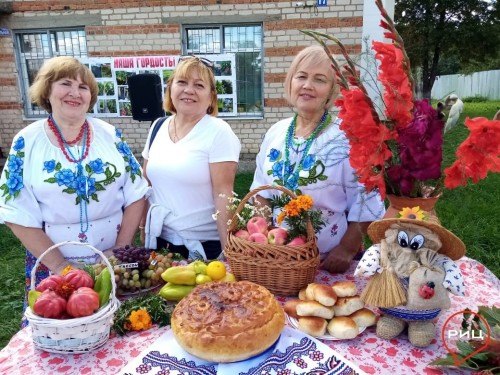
(129, 254)
(146, 276)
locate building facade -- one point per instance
(253, 43)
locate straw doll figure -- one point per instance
(411, 269)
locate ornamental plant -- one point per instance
(297, 213)
(401, 154)
(247, 212)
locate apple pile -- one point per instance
(259, 231)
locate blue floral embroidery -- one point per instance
(84, 186)
(315, 171)
(133, 167)
(49, 166)
(274, 155)
(14, 171)
(309, 162)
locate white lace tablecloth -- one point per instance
(369, 353)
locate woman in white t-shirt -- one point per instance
(191, 166)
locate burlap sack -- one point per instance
(427, 274)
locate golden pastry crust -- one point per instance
(227, 322)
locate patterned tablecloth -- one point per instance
(369, 353)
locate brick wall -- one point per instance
(149, 27)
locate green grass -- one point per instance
(471, 213)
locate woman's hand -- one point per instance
(338, 259)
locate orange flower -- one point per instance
(139, 320)
(66, 270)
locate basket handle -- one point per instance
(251, 193)
(98, 252)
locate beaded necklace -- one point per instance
(291, 176)
(63, 144)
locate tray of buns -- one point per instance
(329, 312)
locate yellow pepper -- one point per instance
(181, 275)
(173, 292)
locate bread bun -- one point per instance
(290, 308)
(312, 325)
(364, 317)
(347, 305)
(227, 321)
(345, 289)
(321, 293)
(302, 294)
(342, 327)
(314, 308)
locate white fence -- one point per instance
(485, 84)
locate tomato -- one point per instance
(82, 302)
(50, 305)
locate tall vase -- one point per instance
(397, 203)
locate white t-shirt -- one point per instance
(180, 177)
(327, 177)
(45, 194)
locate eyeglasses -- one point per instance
(204, 61)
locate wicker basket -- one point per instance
(78, 335)
(284, 270)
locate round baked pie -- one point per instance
(227, 321)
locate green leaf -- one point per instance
(58, 166)
(99, 187)
(69, 190)
(88, 169)
(94, 197)
(108, 173)
(51, 180)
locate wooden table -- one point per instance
(370, 353)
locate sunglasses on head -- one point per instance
(204, 61)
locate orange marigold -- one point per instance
(140, 320)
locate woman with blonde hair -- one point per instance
(309, 154)
(191, 166)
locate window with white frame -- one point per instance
(33, 47)
(245, 42)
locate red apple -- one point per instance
(257, 224)
(277, 236)
(242, 233)
(297, 241)
(258, 237)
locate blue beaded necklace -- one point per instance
(291, 176)
(79, 174)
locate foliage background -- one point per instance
(449, 36)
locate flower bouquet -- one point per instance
(401, 152)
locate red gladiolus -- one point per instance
(398, 97)
(367, 138)
(478, 155)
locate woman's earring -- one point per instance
(210, 110)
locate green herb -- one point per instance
(488, 360)
(157, 307)
(90, 270)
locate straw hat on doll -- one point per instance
(452, 246)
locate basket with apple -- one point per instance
(284, 261)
